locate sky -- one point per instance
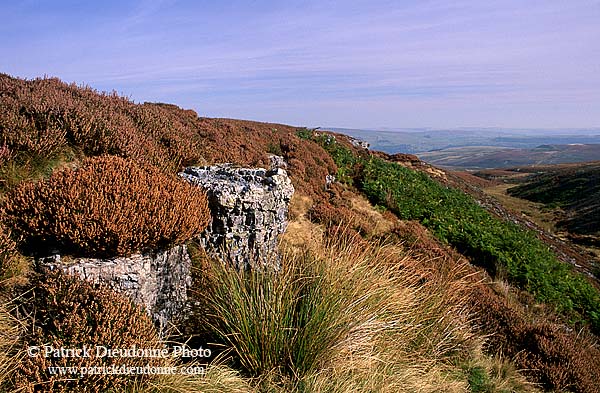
(353, 64)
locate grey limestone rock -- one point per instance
(158, 281)
(249, 211)
(359, 143)
(277, 162)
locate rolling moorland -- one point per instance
(563, 198)
(485, 157)
(398, 276)
(488, 148)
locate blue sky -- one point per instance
(428, 63)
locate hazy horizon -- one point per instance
(351, 64)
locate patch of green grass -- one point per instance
(27, 166)
(305, 133)
(274, 148)
(479, 382)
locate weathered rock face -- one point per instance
(359, 143)
(158, 281)
(249, 209)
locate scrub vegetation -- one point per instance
(390, 281)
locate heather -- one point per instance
(371, 295)
(108, 206)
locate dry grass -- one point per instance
(534, 211)
(354, 316)
(11, 336)
(301, 233)
(217, 379)
(364, 211)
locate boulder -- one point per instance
(249, 211)
(158, 281)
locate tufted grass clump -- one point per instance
(109, 206)
(11, 330)
(348, 316)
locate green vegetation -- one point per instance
(574, 188)
(503, 248)
(478, 380)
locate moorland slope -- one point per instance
(396, 276)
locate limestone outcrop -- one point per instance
(249, 211)
(158, 281)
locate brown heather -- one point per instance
(249, 143)
(109, 206)
(45, 118)
(42, 117)
(7, 245)
(550, 355)
(63, 311)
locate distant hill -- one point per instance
(414, 141)
(574, 188)
(481, 157)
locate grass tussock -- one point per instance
(11, 336)
(109, 206)
(217, 379)
(355, 316)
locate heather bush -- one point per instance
(109, 206)
(65, 312)
(7, 245)
(554, 357)
(247, 143)
(44, 116)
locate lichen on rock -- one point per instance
(249, 211)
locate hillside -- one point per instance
(423, 141)
(396, 276)
(481, 157)
(574, 189)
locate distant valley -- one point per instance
(486, 148)
(482, 157)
